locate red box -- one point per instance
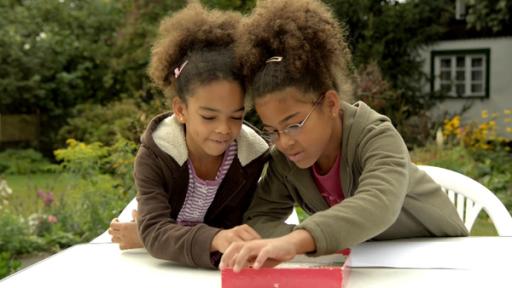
(321, 273)
(325, 277)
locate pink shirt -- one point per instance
(329, 184)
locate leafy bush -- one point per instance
(5, 193)
(490, 151)
(115, 161)
(8, 264)
(120, 160)
(494, 171)
(374, 90)
(81, 217)
(98, 123)
(15, 161)
(104, 181)
(482, 136)
(81, 158)
(106, 123)
(15, 235)
(455, 158)
(100, 188)
(54, 53)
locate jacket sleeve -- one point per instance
(161, 235)
(271, 206)
(377, 201)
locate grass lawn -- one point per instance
(483, 226)
(24, 199)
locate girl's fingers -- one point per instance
(260, 260)
(114, 232)
(270, 263)
(241, 260)
(232, 261)
(229, 255)
(116, 226)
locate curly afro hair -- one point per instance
(305, 33)
(198, 40)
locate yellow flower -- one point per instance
(507, 111)
(509, 129)
(485, 114)
(71, 142)
(456, 121)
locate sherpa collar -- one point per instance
(170, 138)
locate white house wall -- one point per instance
(500, 82)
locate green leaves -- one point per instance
(8, 264)
(389, 36)
(494, 15)
(53, 52)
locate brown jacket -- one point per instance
(386, 196)
(161, 176)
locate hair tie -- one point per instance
(274, 59)
(178, 70)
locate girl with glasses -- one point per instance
(344, 164)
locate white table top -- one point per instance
(104, 265)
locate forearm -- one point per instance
(187, 245)
(301, 240)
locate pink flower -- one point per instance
(52, 219)
(47, 197)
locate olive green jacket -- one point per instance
(386, 195)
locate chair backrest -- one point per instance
(293, 219)
(470, 197)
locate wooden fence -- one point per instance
(19, 127)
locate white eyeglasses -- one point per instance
(294, 129)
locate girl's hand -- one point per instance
(267, 252)
(257, 253)
(125, 233)
(240, 233)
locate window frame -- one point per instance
(435, 80)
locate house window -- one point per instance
(461, 73)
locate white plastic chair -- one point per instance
(470, 197)
(293, 219)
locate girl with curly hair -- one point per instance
(344, 164)
(197, 168)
